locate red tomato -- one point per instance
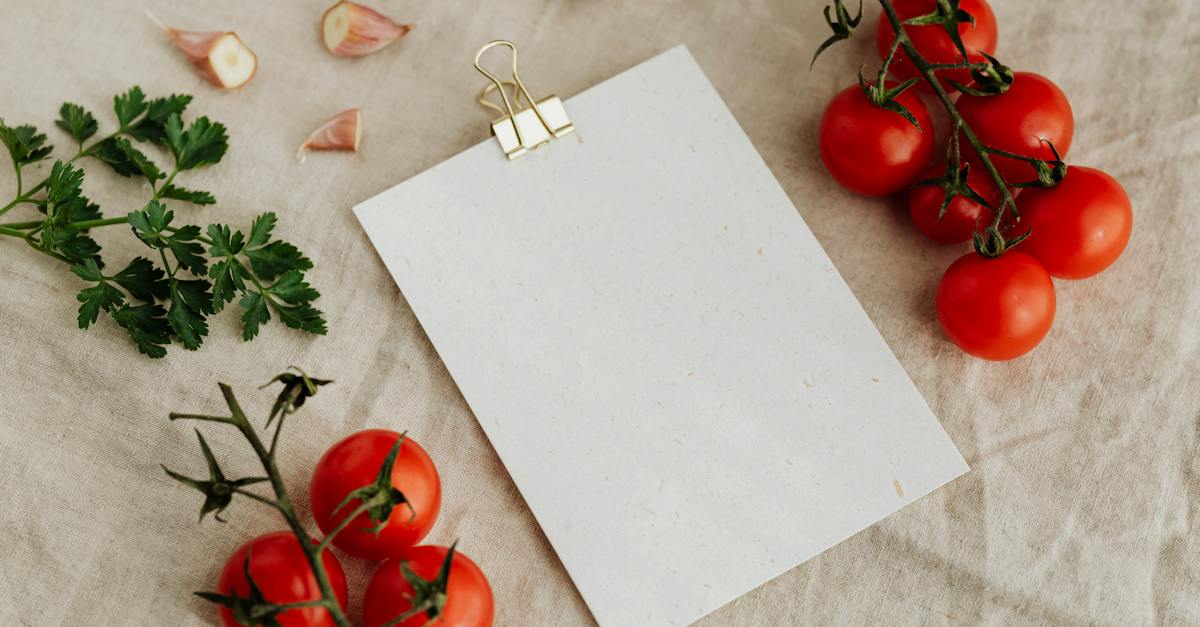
(355, 462)
(963, 216)
(1016, 121)
(870, 150)
(468, 595)
(282, 574)
(996, 308)
(932, 41)
(1080, 226)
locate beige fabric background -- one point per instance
(1084, 502)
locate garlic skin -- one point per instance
(353, 30)
(342, 132)
(221, 58)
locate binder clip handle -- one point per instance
(521, 129)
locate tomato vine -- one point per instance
(376, 500)
(990, 78)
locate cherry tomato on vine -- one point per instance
(963, 216)
(1080, 226)
(281, 572)
(996, 308)
(934, 43)
(871, 150)
(355, 462)
(468, 597)
(1033, 109)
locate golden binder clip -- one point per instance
(521, 130)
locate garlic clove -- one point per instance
(219, 57)
(353, 30)
(342, 132)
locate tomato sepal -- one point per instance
(218, 491)
(429, 595)
(843, 28)
(880, 96)
(954, 182)
(254, 609)
(948, 15)
(1049, 173)
(379, 498)
(989, 79)
(296, 389)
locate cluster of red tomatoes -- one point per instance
(992, 307)
(282, 573)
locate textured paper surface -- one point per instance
(1083, 501)
(679, 382)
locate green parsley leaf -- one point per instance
(147, 326)
(255, 314)
(203, 143)
(276, 258)
(107, 151)
(143, 280)
(292, 289)
(194, 197)
(24, 143)
(228, 275)
(72, 244)
(226, 242)
(260, 230)
(228, 278)
(64, 184)
(140, 161)
(97, 298)
(101, 296)
(152, 128)
(129, 106)
(269, 260)
(303, 317)
(190, 303)
(149, 222)
(150, 225)
(76, 121)
(188, 252)
(88, 271)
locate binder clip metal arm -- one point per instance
(521, 129)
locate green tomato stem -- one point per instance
(927, 72)
(312, 551)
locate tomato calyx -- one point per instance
(990, 78)
(429, 595)
(948, 15)
(378, 499)
(992, 243)
(843, 28)
(218, 491)
(880, 96)
(296, 389)
(954, 181)
(1049, 173)
(254, 609)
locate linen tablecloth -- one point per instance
(1084, 500)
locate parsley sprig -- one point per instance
(198, 272)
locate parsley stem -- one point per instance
(11, 232)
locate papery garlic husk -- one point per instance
(342, 132)
(352, 30)
(219, 57)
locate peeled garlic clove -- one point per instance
(352, 30)
(342, 132)
(220, 57)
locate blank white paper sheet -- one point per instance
(683, 388)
